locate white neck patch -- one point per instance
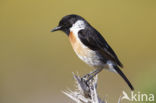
(77, 26)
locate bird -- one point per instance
(90, 46)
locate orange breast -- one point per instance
(77, 45)
(72, 38)
(83, 52)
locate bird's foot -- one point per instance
(86, 76)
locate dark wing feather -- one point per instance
(93, 40)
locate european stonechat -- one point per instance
(90, 46)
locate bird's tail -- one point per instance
(123, 76)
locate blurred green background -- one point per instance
(36, 65)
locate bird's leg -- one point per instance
(95, 73)
(87, 75)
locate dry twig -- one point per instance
(85, 93)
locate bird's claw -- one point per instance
(86, 76)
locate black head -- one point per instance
(67, 22)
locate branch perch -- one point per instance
(85, 93)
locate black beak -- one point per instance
(56, 28)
